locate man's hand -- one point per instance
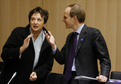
(50, 39)
(33, 76)
(102, 78)
(26, 43)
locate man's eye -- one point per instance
(64, 17)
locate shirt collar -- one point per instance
(79, 29)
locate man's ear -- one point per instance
(75, 18)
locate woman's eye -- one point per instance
(39, 19)
(32, 19)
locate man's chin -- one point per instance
(68, 27)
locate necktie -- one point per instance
(71, 56)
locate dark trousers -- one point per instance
(72, 80)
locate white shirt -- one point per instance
(37, 46)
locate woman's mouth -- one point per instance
(35, 26)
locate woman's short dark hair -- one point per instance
(44, 13)
(78, 11)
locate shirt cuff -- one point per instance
(54, 50)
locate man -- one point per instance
(27, 52)
(90, 46)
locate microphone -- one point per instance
(12, 77)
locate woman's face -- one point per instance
(36, 23)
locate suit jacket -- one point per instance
(91, 46)
(24, 65)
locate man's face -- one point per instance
(36, 23)
(69, 21)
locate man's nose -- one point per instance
(63, 20)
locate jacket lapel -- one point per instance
(45, 43)
(82, 37)
(26, 32)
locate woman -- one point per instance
(27, 52)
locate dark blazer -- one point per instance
(91, 46)
(24, 65)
